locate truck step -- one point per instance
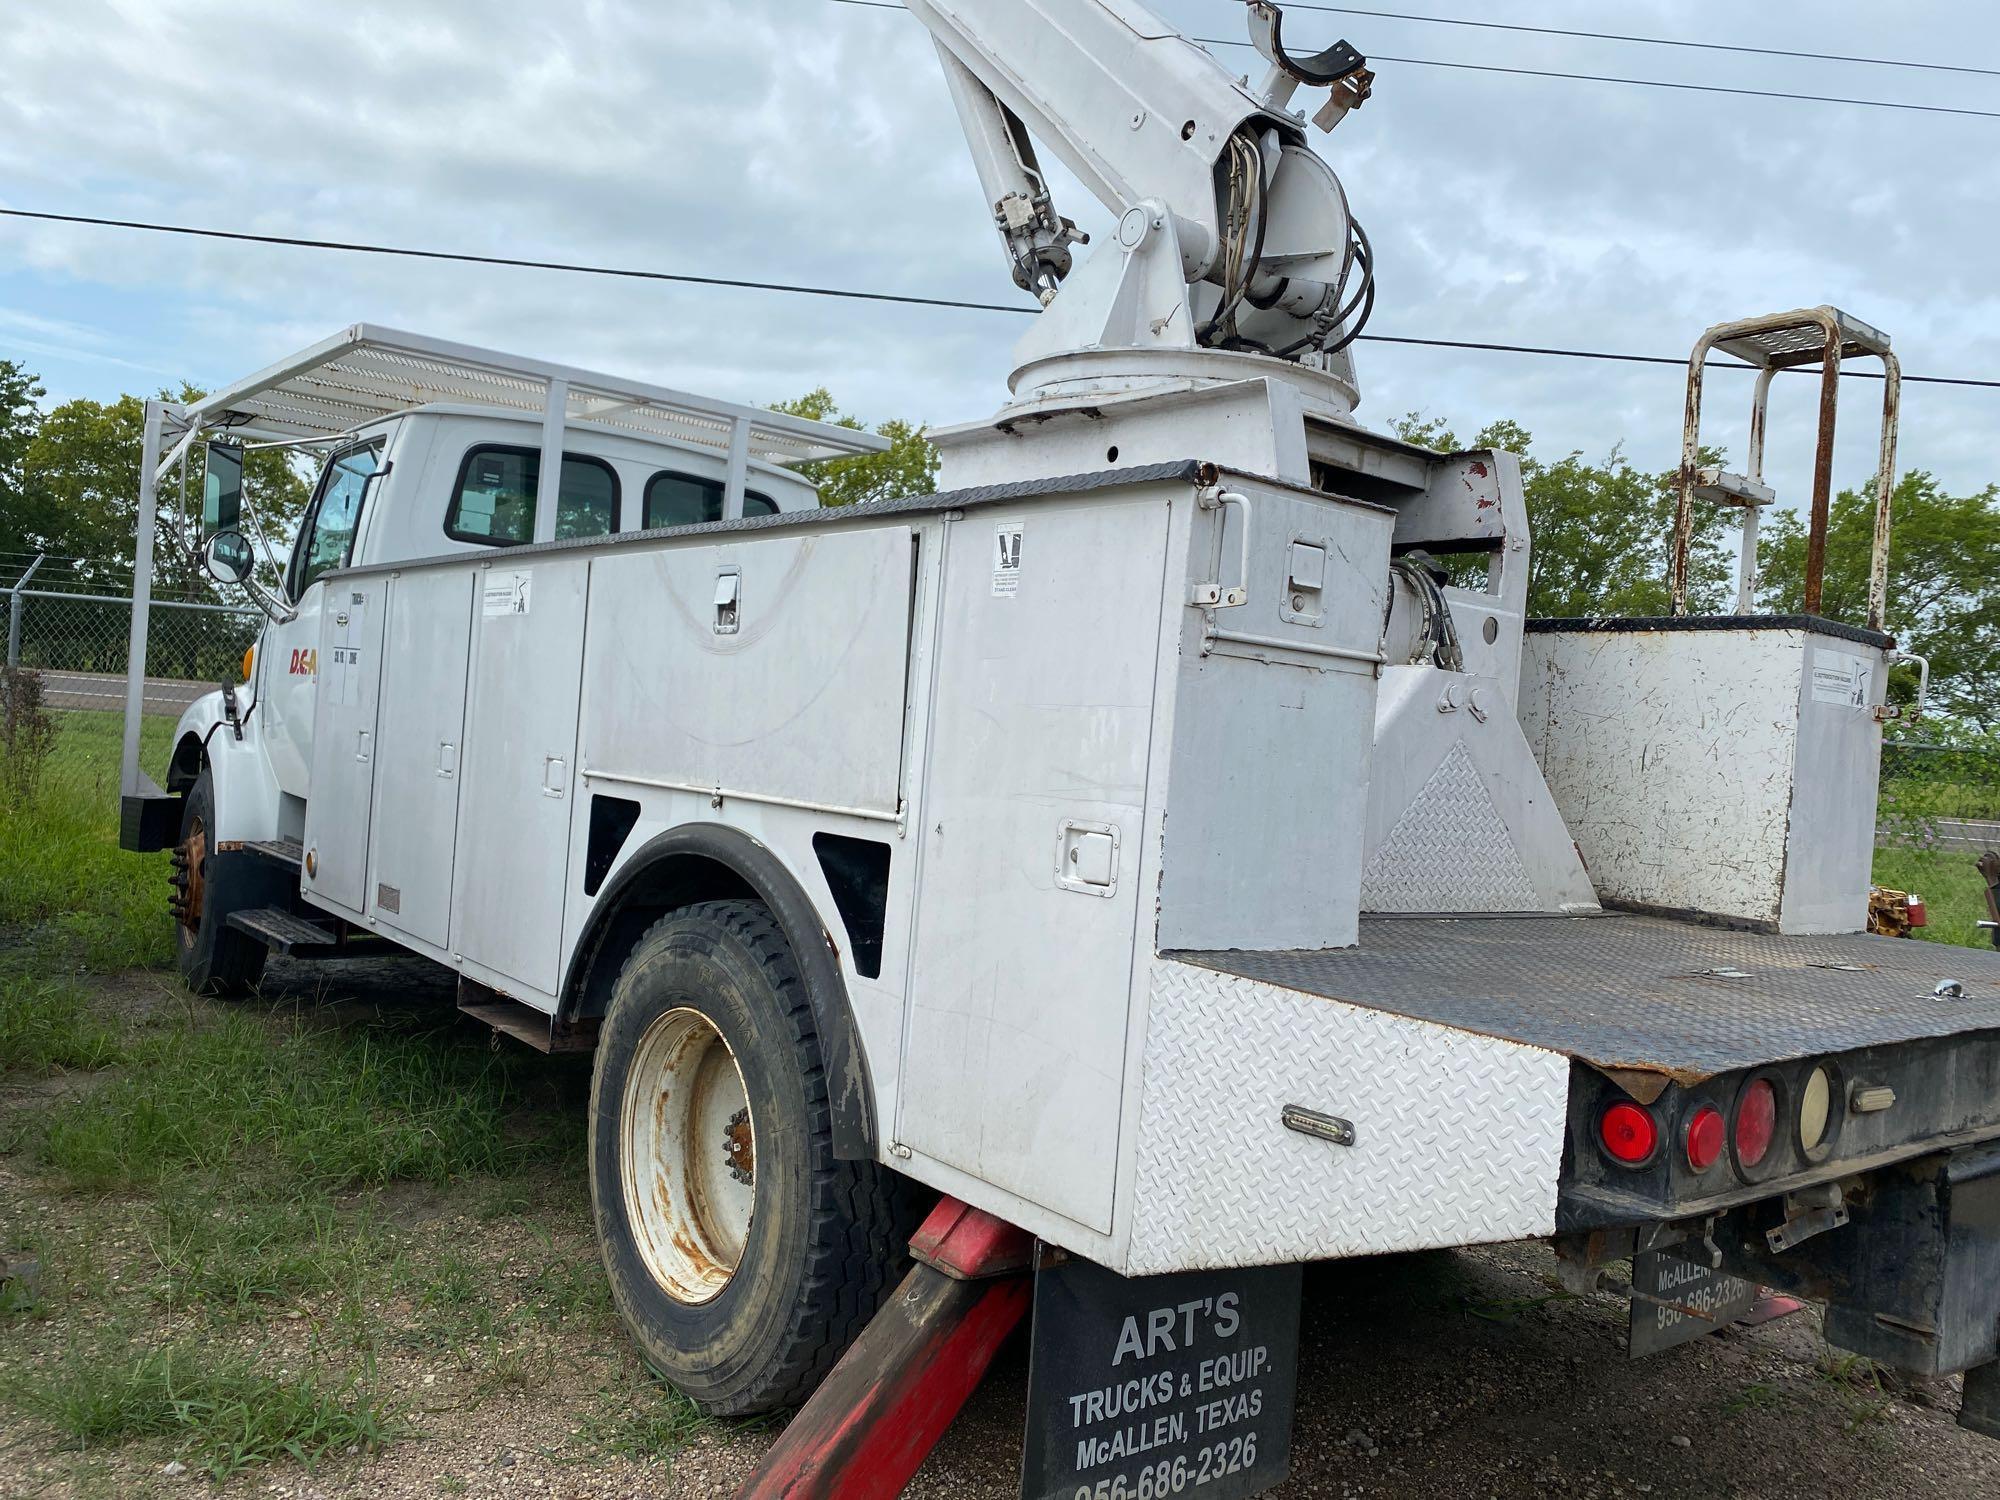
(523, 1022)
(286, 932)
(282, 851)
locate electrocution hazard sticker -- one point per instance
(1007, 559)
(508, 593)
(1839, 678)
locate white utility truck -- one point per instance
(1146, 840)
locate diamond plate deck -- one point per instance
(1629, 991)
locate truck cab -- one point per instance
(444, 479)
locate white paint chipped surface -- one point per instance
(1671, 756)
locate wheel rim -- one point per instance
(688, 1156)
(189, 879)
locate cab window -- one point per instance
(327, 540)
(686, 500)
(494, 499)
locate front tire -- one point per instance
(743, 1257)
(215, 959)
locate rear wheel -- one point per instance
(742, 1256)
(215, 959)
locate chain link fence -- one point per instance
(1941, 796)
(80, 643)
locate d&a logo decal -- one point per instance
(305, 661)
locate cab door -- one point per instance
(287, 674)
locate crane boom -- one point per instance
(1233, 234)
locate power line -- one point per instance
(1643, 83)
(797, 289)
(469, 258)
(1649, 41)
(1695, 88)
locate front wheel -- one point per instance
(215, 959)
(742, 1255)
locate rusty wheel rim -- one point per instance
(189, 880)
(688, 1156)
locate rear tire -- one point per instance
(742, 1256)
(215, 959)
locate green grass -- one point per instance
(280, 1100)
(1953, 893)
(648, 1421)
(237, 1254)
(61, 870)
(49, 1027)
(223, 1415)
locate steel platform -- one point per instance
(1623, 991)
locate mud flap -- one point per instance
(1161, 1385)
(1980, 1412)
(1675, 1301)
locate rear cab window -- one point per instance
(493, 501)
(676, 499)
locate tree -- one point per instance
(909, 467)
(1944, 583)
(19, 391)
(82, 494)
(1601, 531)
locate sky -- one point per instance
(808, 141)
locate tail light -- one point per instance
(1707, 1136)
(1629, 1133)
(1756, 1122)
(1816, 1121)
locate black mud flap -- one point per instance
(1913, 1278)
(1980, 1412)
(149, 824)
(1161, 1385)
(1675, 1301)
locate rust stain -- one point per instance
(190, 877)
(740, 1149)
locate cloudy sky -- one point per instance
(806, 141)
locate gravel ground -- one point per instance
(1430, 1377)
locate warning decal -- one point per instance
(508, 593)
(1839, 678)
(1007, 559)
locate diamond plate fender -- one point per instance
(1459, 1137)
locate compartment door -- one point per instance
(426, 645)
(344, 742)
(1015, 1021)
(511, 868)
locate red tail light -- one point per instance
(1756, 1122)
(1706, 1136)
(1630, 1133)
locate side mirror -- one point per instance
(222, 489)
(226, 557)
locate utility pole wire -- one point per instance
(848, 293)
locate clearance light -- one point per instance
(1630, 1134)
(249, 661)
(1815, 1110)
(1706, 1138)
(1756, 1122)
